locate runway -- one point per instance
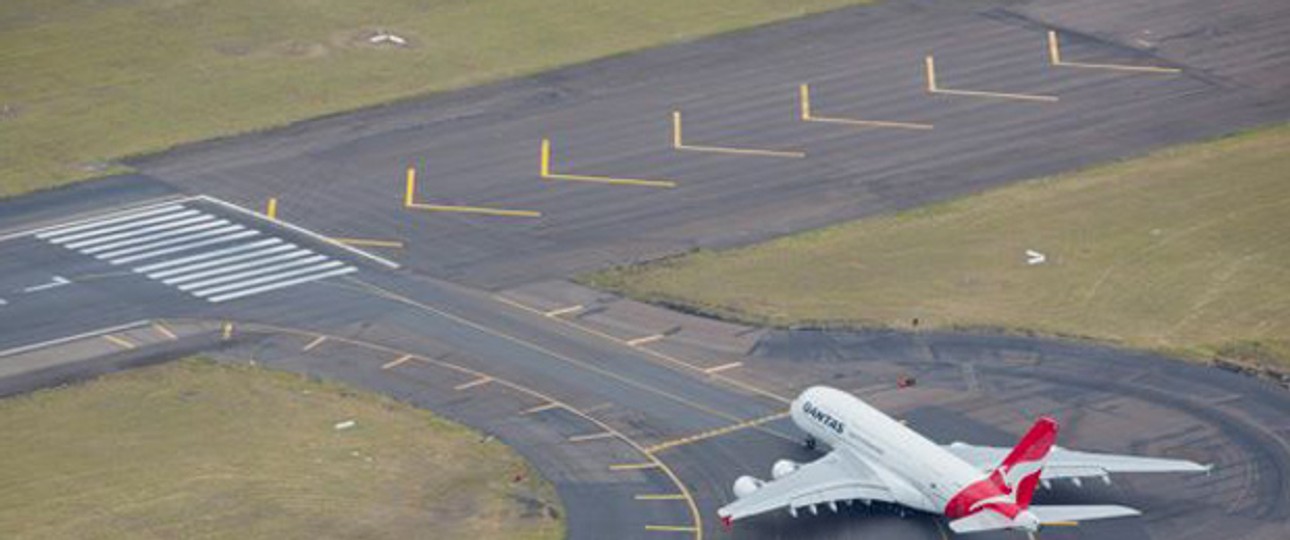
(643, 417)
(480, 147)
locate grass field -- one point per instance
(1186, 250)
(83, 83)
(195, 449)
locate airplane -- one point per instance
(875, 458)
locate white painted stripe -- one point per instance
(281, 223)
(58, 281)
(251, 273)
(204, 256)
(235, 267)
(281, 285)
(182, 213)
(154, 236)
(265, 279)
(169, 242)
(107, 220)
(86, 217)
(66, 339)
(168, 224)
(185, 247)
(223, 260)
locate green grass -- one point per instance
(195, 449)
(1186, 250)
(86, 82)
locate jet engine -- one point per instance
(746, 485)
(782, 468)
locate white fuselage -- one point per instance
(921, 474)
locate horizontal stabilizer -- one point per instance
(985, 520)
(1036, 516)
(1063, 514)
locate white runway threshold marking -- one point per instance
(196, 252)
(57, 281)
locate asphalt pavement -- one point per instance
(641, 417)
(345, 175)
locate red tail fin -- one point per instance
(1019, 472)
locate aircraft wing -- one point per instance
(1063, 463)
(834, 477)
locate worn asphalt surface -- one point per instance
(496, 365)
(345, 175)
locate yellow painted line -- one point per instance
(633, 466)
(670, 528)
(369, 242)
(723, 367)
(677, 144)
(476, 210)
(592, 437)
(1055, 58)
(741, 151)
(545, 173)
(808, 115)
(564, 311)
(929, 66)
(728, 380)
(609, 180)
(540, 408)
(1060, 524)
(520, 305)
(163, 330)
(934, 88)
(119, 341)
(474, 383)
(659, 355)
(715, 433)
(397, 362)
(271, 209)
(1000, 95)
(693, 507)
(410, 194)
(316, 342)
(661, 497)
(1118, 67)
(696, 517)
(410, 191)
(1054, 51)
(228, 330)
(644, 340)
(868, 123)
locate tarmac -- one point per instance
(345, 175)
(643, 417)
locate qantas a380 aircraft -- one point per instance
(876, 458)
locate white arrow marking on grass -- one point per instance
(1034, 257)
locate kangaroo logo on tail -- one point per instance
(1009, 487)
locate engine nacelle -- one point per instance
(782, 468)
(746, 485)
